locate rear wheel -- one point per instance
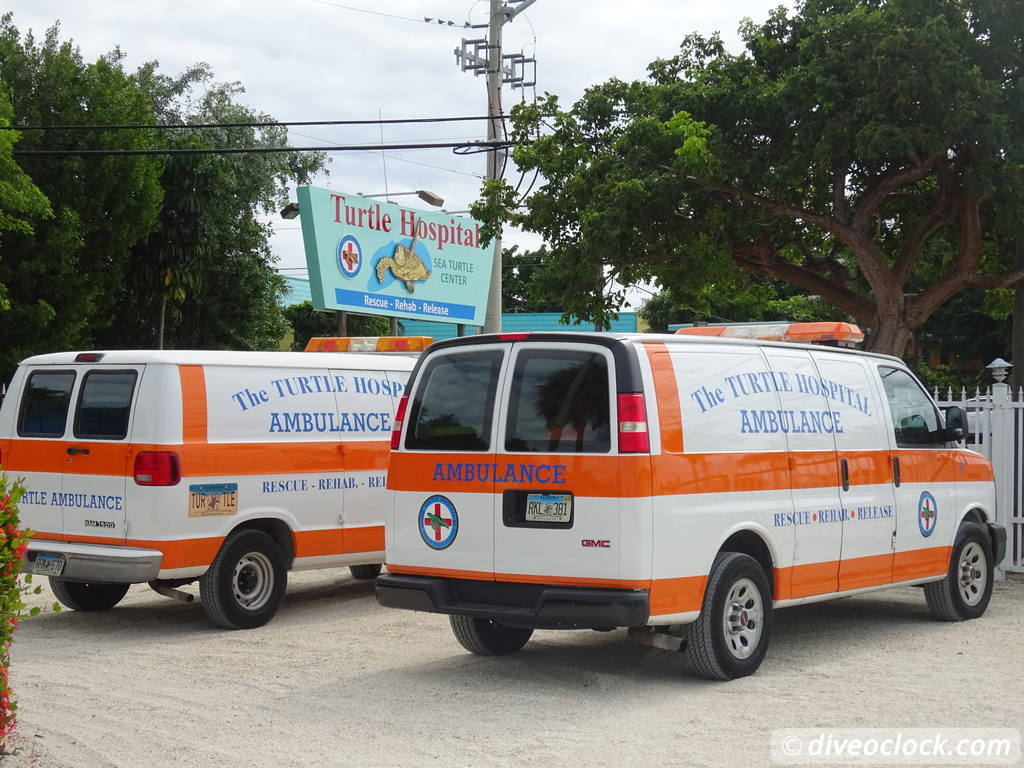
(245, 585)
(83, 596)
(488, 638)
(371, 571)
(730, 637)
(965, 591)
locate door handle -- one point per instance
(73, 450)
(846, 474)
(896, 479)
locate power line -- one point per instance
(457, 147)
(251, 124)
(434, 22)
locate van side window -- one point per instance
(559, 403)
(915, 419)
(104, 405)
(44, 408)
(454, 406)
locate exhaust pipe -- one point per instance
(166, 591)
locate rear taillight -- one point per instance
(157, 468)
(514, 336)
(633, 424)
(396, 433)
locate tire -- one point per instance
(730, 637)
(371, 571)
(966, 589)
(82, 596)
(245, 585)
(488, 638)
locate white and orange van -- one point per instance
(683, 486)
(229, 468)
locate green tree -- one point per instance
(307, 322)
(21, 201)
(866, 151)
(63, 275)
(204, 276)
(526, 283)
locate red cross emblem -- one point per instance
(435, 520)
(350, 255)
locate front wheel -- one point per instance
(245, 585)
(82, 596)
(488, 638)
(730, 637)
(965, 590)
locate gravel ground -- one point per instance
(336, 680)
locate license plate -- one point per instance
(48, 564)
(548, 508)
(211, 499)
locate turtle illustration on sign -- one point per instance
(405, 265)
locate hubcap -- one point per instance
(253, 581)
(973, 573)
(743, 618)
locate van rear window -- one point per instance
(454, 403)
(559, 403)
(44, 408)
(105, 404)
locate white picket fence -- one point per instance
(996, 429)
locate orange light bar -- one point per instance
(844, 333)
(368, 343)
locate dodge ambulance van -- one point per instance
(683, 486)
(230, 468)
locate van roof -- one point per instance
(372, 362)
(609, 339)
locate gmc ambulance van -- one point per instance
(683, 486)
(230, 468)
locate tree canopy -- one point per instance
(870, 152)
(131, 251)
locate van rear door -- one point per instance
(443, 474)
(556, 479)
(97, 449)
(37, 450)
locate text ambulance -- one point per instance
(681, 485)
(225, 467)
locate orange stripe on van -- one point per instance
(973, 468)
(667, 392)
(677, 595)
(210, 459)
(920, 563)
(181, 553)
(519, 578)
(190, 553)
(686, 593)
(368, 538)
(193, 403)
(625, 476)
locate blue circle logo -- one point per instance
(927, 514)
(439, 522)
(350, 256)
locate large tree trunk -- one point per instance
(888, 337)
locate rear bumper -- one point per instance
(99, 562)
(523, 605)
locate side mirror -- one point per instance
(956, 423)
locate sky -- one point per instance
(360, 59)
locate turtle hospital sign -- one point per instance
(378, 258)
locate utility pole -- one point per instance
(1017, 342)
(485, 57)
